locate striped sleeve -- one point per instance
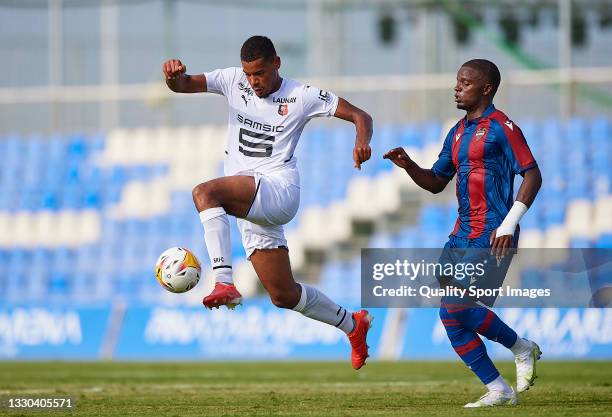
(513, 144)
(444, 166)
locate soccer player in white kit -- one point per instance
(261, 186)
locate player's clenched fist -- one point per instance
(399, 157)
(173, 68)
(361, 153)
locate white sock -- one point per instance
(217, 238)
(520, 346)
(499, 384)
(315, 305)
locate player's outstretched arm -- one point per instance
(424, 178)
(363, 126)
(180, 82)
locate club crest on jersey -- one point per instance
(480, 133)
(245, 88)
(283, 109)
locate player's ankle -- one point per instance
(354, 325)
(224, 276)
(520, 346)
(499, 384)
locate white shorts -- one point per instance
(276, 202)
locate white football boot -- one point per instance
(526, 367)
(495, 398)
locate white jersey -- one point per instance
(263, 132)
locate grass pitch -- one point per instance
(299, 389)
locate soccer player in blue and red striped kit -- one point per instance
(486, 150)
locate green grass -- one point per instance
(300, 389)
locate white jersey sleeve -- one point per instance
(318, 102)
(220, 81)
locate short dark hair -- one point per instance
(488, 69)
(257, 47)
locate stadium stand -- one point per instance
(87, 215)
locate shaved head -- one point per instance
(488, 70)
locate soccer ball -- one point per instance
(177, 270)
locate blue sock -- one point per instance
(469, 347)
(485, 322)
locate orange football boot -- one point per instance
(359, 353)
(223, 295)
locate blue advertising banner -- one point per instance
(567, 333)
(37, 332)
(256, 330)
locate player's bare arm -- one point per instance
(532, 181)
(179, 81)
(424, 178)
(363, 125)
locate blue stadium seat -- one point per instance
(182, 202)
(104, 287)
(391, 136)
(580, 243)
(57, 149)
(136, 228)
(431, 133)
(530, 131)
(15, 287)
(58, 284)
(76, 146)
(381, 240)
(58, 173)
(600, 128)
(604, 241)
(531, 220)
(15, 148)
(334, 279)
(72, 198)
(160, 226)
(409, 135)
(407, 238)
(553, 211)
(125, 284)
(93, 199)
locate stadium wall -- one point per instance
(259, 331)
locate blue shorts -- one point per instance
(490, 273)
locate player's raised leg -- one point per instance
(214, 200)
(274, 271)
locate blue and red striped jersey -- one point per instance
(485, 153)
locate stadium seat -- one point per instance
(126, 198)
(604, 241)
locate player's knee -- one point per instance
(203, 194)
(285, 299)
